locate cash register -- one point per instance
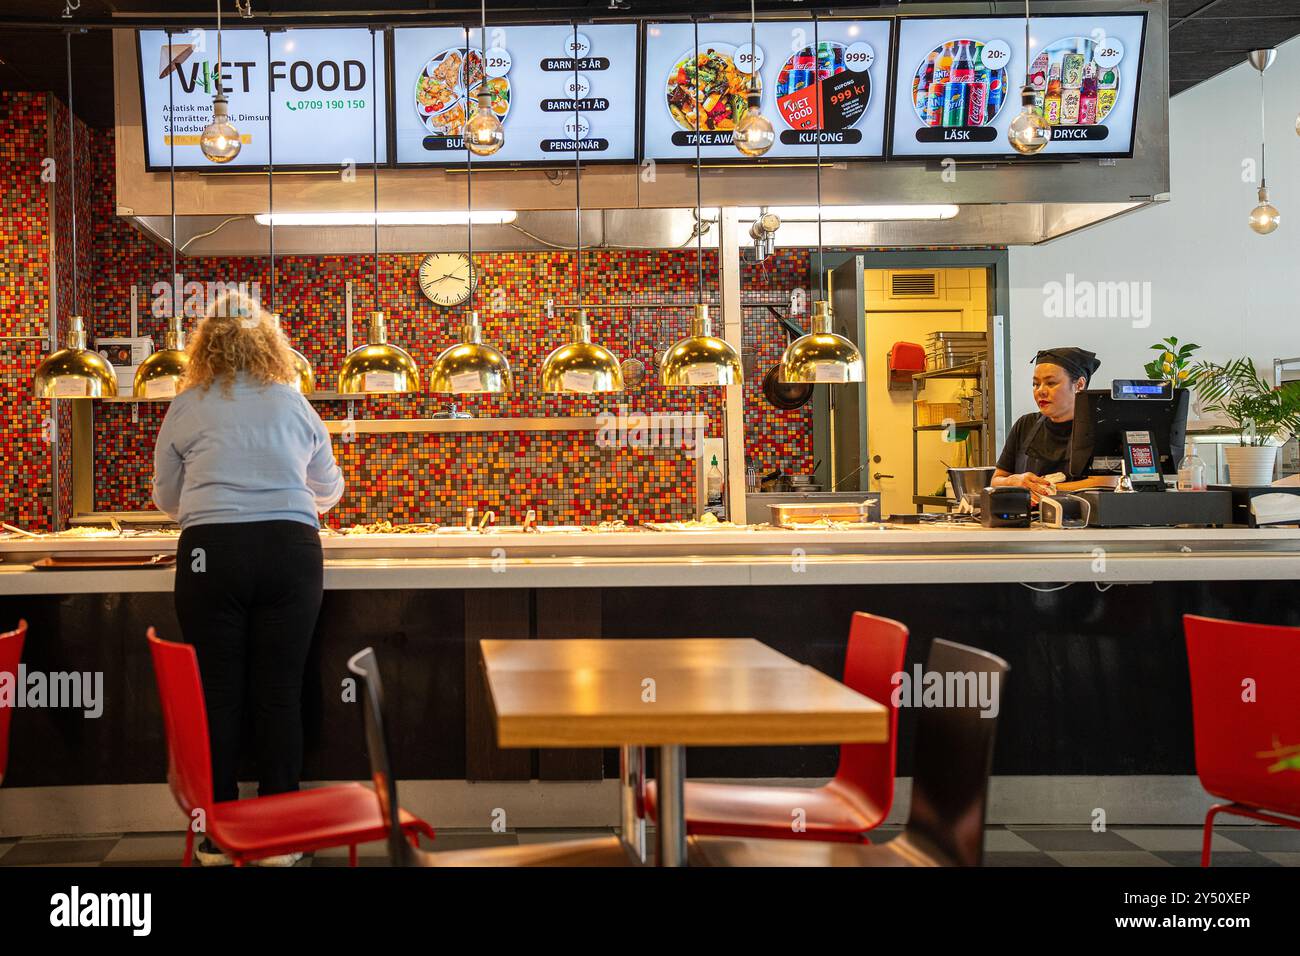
(1136, 431)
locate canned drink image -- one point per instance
(1105, 101)
(1072, 70)
(997, 92)
(977, 104)
(1070, 107)
(934, 105)
(954, 104)
(1088, 110)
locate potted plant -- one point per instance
(1262, 413)
(1173, 363)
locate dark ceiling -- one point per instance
(1206, 36)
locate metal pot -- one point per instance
(969, 483)
(786, 396)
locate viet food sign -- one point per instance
(828, 83)
(321, 95)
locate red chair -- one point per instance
(307, 820)
(855, 801)
(1244, 744)
(11, 652)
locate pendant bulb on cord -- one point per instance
(754, 134)
(1264, 218)
(220, 141)
(484, 134)
(1029, 132)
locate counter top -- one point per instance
(897, 554)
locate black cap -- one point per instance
(1080, 363)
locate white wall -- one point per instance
(1211, 279)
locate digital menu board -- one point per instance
(696, 96)
(958, 84)
(322, 96)
(529, 71)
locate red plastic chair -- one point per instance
(855, 801)
(1243, 745)
(343, 815)
(11, 652)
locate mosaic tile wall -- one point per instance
(25, 469)
(433, 477)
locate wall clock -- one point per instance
(446, 278)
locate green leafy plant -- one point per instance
(1173, 363)
(1239, 392)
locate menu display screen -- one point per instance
(829, 83)
(529, 72)
(959, 82)
(322, 96)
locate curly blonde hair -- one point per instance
(237, 335)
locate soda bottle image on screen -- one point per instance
(977, 98)
(997, 92)
(943, 69)
(1052, 102)
(963, 67)
(954, 104)
(1038, 72)
(1088, 97)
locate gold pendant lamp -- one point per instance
(820, 356)
(378, 367)
(701, 358)
(471, 367)
(74, 371)
(304, 375)
(160, 375)
(580, 366)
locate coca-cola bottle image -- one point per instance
(963, 65)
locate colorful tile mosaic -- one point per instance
(26, 470)
(433, 477)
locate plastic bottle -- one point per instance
(1191, 473)
(714, 483)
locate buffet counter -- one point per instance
(754, 555)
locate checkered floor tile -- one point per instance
(1003, 846)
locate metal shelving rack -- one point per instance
(978, 371)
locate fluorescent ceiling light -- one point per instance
(482, 217)
(853, 213)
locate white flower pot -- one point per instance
(1248, 465)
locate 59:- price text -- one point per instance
(296, 105)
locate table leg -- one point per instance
(631, 790)
(672, 806)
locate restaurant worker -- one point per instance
(1039, 443)
(244, 464)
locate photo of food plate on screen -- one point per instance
(447, 90)
(707, 91)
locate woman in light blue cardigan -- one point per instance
(244, 463)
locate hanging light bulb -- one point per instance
(484, 134)
(754, 134)
(1264, 218)
(378, 367)
(821, 356)
(1028, 132)
(220, 140)
(74, 371)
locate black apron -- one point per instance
(1025, 463)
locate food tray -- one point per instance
(105, 562)
(794, 513)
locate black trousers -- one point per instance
(247, 597)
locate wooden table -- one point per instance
(670, 694)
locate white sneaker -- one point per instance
(284, 859)
(209, 854)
